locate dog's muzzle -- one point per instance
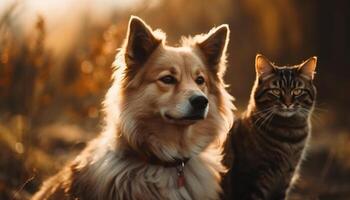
(199, 104)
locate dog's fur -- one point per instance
(137, 107)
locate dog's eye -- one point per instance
(200, 80)
(168, 79)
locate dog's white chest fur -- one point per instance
(117, 178)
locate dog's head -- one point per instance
(172, 83)
(165, 88)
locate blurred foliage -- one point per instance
(52, 83)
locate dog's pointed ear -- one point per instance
(308, 67)
(215, 44)
(140, 42)
(263, 66)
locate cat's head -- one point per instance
(285, 91)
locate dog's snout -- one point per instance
(198, 102)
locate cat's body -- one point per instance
(264, 164)
(267, 143)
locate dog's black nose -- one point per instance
(199, 102)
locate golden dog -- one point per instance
(167, 113)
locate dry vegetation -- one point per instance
(50, 105)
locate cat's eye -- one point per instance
(276, 92)
(296, 92)
(200, 80)
(168, 79)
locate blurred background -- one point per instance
(55, 67)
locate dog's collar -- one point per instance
(177, 162)
(154, 160)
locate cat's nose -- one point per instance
(288, 106)
(288, 102)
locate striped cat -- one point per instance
(266, 145)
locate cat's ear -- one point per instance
(263, 66)
(308, 67)
(140, 42)
(215, 44)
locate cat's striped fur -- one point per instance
(266, 144)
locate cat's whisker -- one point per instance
(315, 116)
(262, 115)
(261, 111)
(319, 107)
(266, 117)
(304, 111)
(258, 121)
(270, 119)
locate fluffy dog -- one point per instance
(167, 113)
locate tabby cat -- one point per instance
(266, 145)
